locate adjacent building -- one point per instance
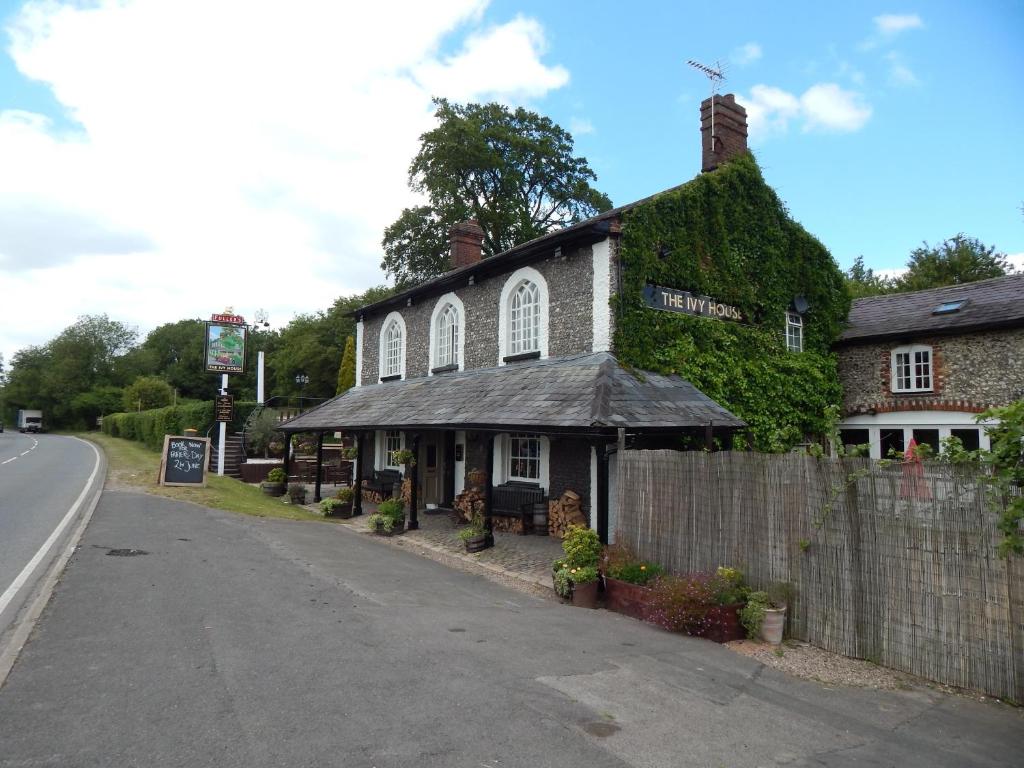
(921, 366)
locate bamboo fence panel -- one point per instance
(885, 566)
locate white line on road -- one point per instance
(25, 453)
(26, 572)
(9, 460)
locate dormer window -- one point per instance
(448, 337)
(392, 347)
(912, 369)
(523, 317)
(794, 332)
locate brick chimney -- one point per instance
(467, 241)
(730, 131)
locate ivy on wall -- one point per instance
(726, 234)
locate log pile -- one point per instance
(469, 503)
(564, 511)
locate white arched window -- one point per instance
(524, 319)
(392, 346)
(447, 337)
(523, 316)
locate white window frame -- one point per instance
(508, 293)
(916, 382)
(502, 468)
(794, 332)
(382, 458)
(394, 319)
(443, 303)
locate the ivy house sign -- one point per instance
(671, 300)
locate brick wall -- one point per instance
(970, 372)
(570, 318)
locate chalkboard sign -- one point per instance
(184, 460)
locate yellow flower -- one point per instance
(643, 567)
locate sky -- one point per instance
(167, 159)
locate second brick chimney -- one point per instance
(467, 243)
(730, 126)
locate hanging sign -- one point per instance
(671, 300)
(225, 346)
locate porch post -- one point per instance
(709, 437)
(601, 492)
(357, 476)
(489, 492)
(414, 481)
(319, 466)
(287, 455)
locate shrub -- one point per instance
(620, 563)
(377, 517)
(297, 493)
(327, 506)
(392, 509)
(682, 603)
(276, 475)
(729, 587)
(582, 547)
(752, 614)
(344, 495)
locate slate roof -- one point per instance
(994, 303)
(590, 393)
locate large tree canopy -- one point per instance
(512, 171)
(960, 259)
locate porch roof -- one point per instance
(583, 393)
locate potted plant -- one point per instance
(340, 505)
(405, 457)
(389, 519)
(627, 582)
(297, 493)
(577, 571)
(764, 615)
(351, 453)
(474, 535)
(730, 593)
(275, 483)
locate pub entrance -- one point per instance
(436, 469)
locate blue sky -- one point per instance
(167, 147)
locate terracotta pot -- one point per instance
(629, 599)
(585, 595)
(773, 624)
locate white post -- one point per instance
(223, 429)
(259, 379)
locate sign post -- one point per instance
(225, 353)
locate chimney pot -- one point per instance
(730, 124)
(467, 243)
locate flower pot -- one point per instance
(585, 595)
(273, 489)
(773, 624)
(723, 624)
(628, 599)
(396, 529)
(343, 510)
(476, 543)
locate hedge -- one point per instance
(150, 426)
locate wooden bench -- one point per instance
(514, 502)
(381, 485)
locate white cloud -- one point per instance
(747, 54)
(900, 74)
(1016, 261)
(228, 153)
(822, 107)
(891, 24)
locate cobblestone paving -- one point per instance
(526, 557)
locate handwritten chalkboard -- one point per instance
(184, 460)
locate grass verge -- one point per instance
(131, 465)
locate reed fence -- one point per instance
(893, 564)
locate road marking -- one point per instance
(25, 453)
(26, 572)
(9, 460)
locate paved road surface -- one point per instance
(41, 478)
(238, 641)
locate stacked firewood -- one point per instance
(564, 511)
(469, 503)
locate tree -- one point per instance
(862, 281)
(174, 352)
(347, 371)
(512, 171)
(960, 259)
(147, 392)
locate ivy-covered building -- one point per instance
(700, 316)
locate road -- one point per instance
(42, 477)
(181, 636)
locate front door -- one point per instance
(431, 468)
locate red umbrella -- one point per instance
(913, 485)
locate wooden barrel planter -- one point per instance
(396, 529)
(476, 543)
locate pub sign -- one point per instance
(672, 300)
(225, 345)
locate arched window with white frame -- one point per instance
(392, 347)
(523, 316)
(447, 332)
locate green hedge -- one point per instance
(149, 427)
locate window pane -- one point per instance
(969, 437)
(854, 436)
(892, 439)
(928, 437)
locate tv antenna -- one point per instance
(716, 75)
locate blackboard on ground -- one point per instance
(184, 460)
